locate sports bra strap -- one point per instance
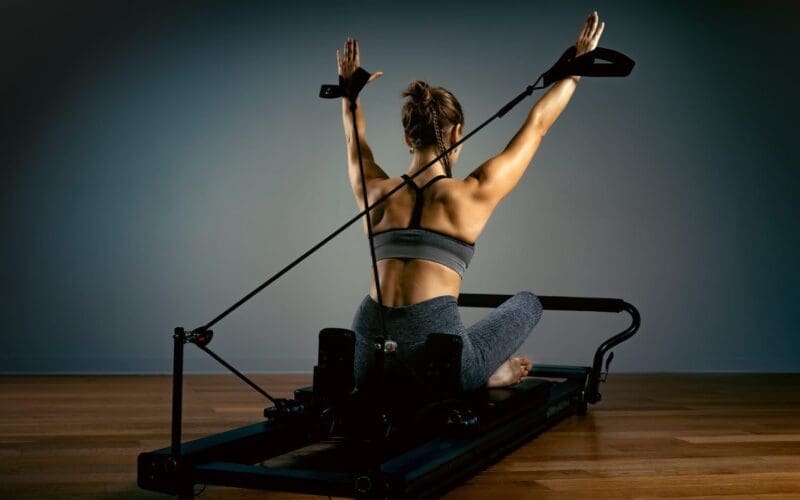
(434, 180)
(416, 215)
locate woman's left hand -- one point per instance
(590, 34)
(349, 61)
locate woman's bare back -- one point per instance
(448, 208)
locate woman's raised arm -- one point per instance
(348, 62)
(498, 176)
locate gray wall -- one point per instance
(160, 162)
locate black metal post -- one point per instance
(179, 338)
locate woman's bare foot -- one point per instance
(526, 363)
(511, 372)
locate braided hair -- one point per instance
(427, 113)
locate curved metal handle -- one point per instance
(593, 383)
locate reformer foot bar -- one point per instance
(396, 437)
(298, 452)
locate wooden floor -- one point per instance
(653, 436)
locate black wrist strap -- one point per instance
(617, 64)
(349, 88)
(558, 71)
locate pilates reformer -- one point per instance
(403, 434)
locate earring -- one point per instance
(411, 151)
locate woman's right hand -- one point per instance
(589, 35)
(349, 61)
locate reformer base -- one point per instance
(285, 456)
(378, 443)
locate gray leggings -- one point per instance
(487, 343)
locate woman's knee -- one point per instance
(531, 304)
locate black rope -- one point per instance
(378, 292)
(236, 372)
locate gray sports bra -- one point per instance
(415, 242)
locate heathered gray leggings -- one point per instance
(487, 343)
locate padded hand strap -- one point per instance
(617, 64)
(558, 71)
(347, 88)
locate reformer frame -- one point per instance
(513, 416)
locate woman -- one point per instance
(424, 234)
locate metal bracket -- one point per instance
(198, 337)
(389, 346)
(285, 408)
(604, 375)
